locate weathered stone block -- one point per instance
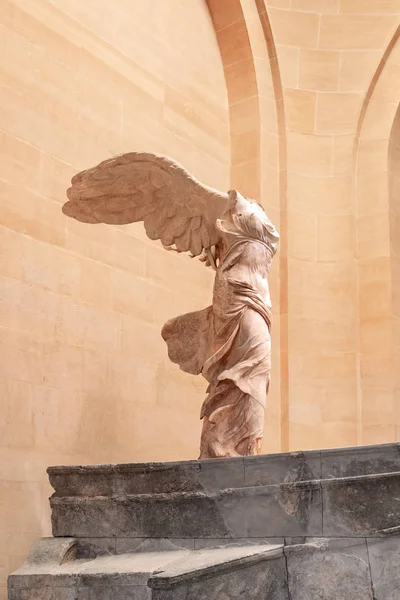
(119, 593)
(216, 474)
(174, 515)
(263, 511)
(384, 557)
(361, 505)
(282, 468)
(45, 593)
(147, 478)
(367, 460)
(230, 572)
(259, 582)
(126, 576)
(321, 570)
(283, 510)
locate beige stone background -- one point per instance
(294, 102)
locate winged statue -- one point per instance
(229, 342)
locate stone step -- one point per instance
(148, 532)
(55, 571)
(216, 474)
(332, 569)
(352, 506)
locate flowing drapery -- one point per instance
(229, 343)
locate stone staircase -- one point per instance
(317, 525)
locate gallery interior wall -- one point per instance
(293, 102)
(84, 371)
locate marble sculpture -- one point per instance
(228, 342)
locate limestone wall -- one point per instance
(318, 98)
(339, 70)
(84, 373)
(392, 408)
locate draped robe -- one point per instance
(229, 344)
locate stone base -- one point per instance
(319, 568)
(67, 569)
(303, 525)
(329, 493)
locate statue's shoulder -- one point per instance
(256, 250)
(246, 251)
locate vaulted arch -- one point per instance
(375, 179)
(258, 160)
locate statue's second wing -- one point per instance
(175, 207)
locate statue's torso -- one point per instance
(247, 262)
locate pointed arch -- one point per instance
(378, 351)
(258, 158)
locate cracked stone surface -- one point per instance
(384, 557)
(322, 570)
(215, 530)
(208, 573)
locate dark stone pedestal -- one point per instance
(315, 525)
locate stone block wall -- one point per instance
(322, 76)
(331, 54)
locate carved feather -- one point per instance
(174, 206)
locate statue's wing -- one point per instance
(175, 207)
